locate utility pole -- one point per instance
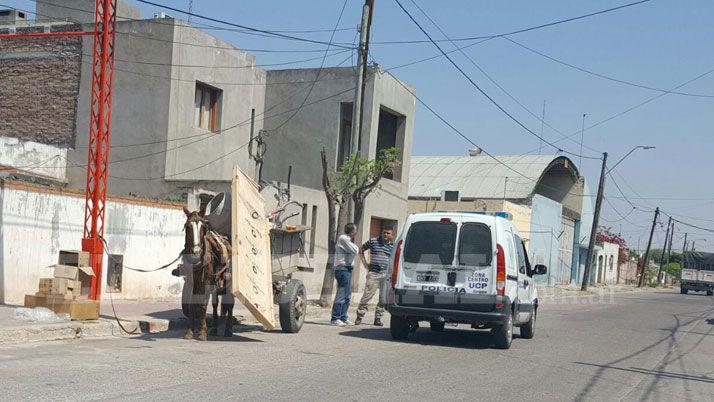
(542, 123)
(684, 247)
(664, 251)
(363, 51)
(596, 221)
(582, 137)
(646, 259)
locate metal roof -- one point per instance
(480, 176)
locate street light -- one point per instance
(628, 154)
(696, 240)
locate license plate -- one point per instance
(427, 276)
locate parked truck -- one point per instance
(697, 272)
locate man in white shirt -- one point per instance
(345, 252)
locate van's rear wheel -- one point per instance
(710, 293)
(399, 327)
(684, 291)
(503, 334)
(528, 330)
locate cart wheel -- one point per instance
(294, 307)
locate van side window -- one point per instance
(475, 247)
(430, 243)
(521, 255)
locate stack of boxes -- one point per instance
(71, 277)
(67, 291)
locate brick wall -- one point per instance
(39, 85)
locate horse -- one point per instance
(210, 276)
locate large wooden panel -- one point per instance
(252, 281)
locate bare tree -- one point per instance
(356, 179)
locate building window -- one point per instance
(390, 133)
(344, 142)
(206, 105)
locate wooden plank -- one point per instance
(252, 281)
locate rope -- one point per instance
(106, 246)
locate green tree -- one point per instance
(355, 180)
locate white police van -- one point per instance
(462, 267)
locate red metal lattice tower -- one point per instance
(99, 131)
(99, 134)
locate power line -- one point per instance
(295, 112)
(176, 23)
(488, 76)
(584, 70)
(533, 28)
(473, 83)
(252, 29)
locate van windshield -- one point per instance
(475, 244)
(430, 243)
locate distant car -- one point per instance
(697, 272)
(468, 268)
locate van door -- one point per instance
(525, 285)
(429, 249)
(475, 257)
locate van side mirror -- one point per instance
(540, 269)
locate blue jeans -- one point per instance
(343, 275)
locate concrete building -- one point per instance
(545, 194)
(185, 106)
(604, 268)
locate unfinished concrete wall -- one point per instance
(194, 153)
(298, 141)
(39, 86)
(81, 11)
(33, 158)
(36, 222)
(140, 110)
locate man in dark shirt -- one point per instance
(379, 252)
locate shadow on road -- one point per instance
(450, 337)
(670, 340)
(656, 373)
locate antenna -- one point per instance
(190, 10)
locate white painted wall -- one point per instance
(607, 273)
(36, 222)
(47, 161)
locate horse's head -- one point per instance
(195, 228)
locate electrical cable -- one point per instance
(488, 76)
(584, 70)
(264, 31)
(176, 23)
(546, 25)
(473, 83)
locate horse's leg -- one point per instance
(191, 315)
(227, 304)
(203, 329)
(214, 303)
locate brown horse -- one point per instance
(210, 276)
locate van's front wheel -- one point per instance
(528, 330)
(503, 334)
(399, 327)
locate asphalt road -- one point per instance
(634, 346)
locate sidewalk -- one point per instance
(136, 316)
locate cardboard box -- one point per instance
(82, 274)
(77, 309)
(73, 258)
(62, 286)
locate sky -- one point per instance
(659, 44)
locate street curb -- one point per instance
(56, 331)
